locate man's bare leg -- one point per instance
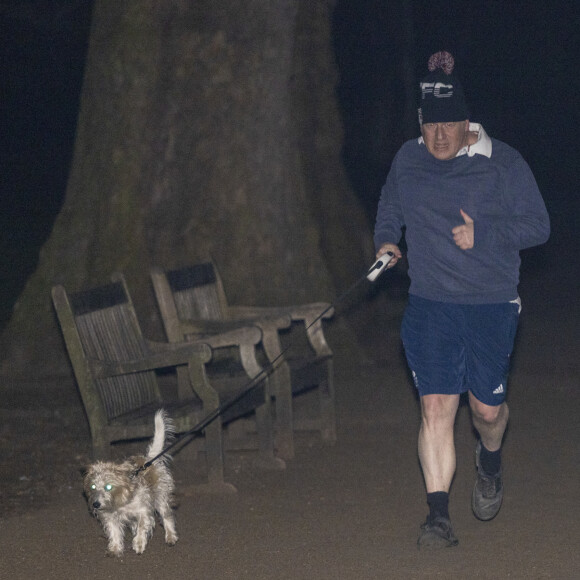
(437, 457)
(436, 440)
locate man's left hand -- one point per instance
(463, 235)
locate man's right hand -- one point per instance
(394, 249)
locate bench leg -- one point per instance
(101, 447)
(284, 437)
(266, 458)
(214, 446)
(215, 461)
(327, 406)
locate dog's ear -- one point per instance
(83, 471)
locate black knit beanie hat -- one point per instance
(441, 95)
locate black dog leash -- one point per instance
(373, 273)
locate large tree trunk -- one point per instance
(205, 128)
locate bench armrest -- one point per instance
(310, 314)
(170, 355)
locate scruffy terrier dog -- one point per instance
(120, 495)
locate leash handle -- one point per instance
(377, 268)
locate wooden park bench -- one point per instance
(192, 300)
(115, 370)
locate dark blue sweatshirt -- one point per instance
(425, 194)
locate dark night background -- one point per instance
(518, 63)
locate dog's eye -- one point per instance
(108, 487)
(93, 486)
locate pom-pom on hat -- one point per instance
(441, 98)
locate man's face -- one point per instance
(444, 140)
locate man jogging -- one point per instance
(469, 204)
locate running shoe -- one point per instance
(488, 491)
(436, 533)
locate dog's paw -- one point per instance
(139, 544)
(115, 552)
(171, 538)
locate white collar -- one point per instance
(481, 147)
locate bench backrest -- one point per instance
(197, 292)
(106, 325)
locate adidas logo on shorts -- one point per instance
(499, 390)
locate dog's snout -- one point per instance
(96, 504)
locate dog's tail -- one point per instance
(164, 431)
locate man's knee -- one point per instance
(439, 408)
(489, 414)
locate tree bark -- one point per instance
(205, 128)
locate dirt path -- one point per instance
(350, 511)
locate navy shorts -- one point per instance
(454, 348)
